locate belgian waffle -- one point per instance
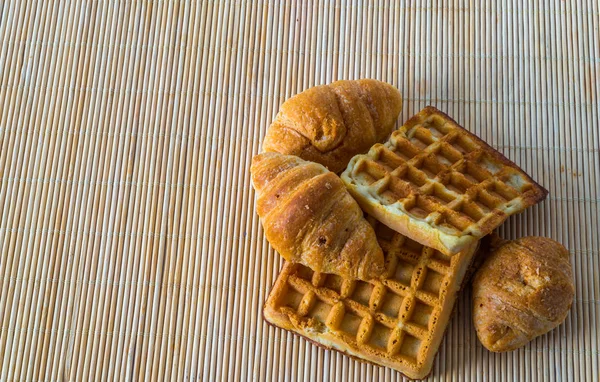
(397, 321)
(438, 184)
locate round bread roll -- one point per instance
(523, 290)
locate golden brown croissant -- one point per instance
(523, 290)
(310, 218)
(329, 124)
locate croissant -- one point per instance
(329, 124)
(523, 290)
(309, 217)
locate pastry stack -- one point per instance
(378, 227)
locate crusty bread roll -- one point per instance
(329, 124)
(310, 218)
(523, 290)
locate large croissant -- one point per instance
(329, 124)
(310, 218)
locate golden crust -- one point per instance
(523, 290)
(309, 217)
(329, 124)
(439, 184)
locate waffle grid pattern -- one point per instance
(395, 319)
(440, 174)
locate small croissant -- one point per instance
(329, 124)
(310, 218)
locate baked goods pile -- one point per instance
(376, 257)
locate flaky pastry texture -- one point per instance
(310, 218)
(329, 124)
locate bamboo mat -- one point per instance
(130, 247)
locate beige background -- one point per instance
(129, 243)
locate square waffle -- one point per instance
(438, 184)
(397, 321)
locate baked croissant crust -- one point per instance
(329, 124)
(523, 290)
(310, 218)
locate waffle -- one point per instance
(397, 321)
(438, 184)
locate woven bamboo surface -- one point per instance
(130, 246)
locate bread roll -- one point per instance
(310, 218)
(523, 290)
(329, 124)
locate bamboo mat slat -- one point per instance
(129, 244)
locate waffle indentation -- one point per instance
(293, 298)
(391, 304)
(380, 336)
(334, 282)
(410, 347)
(350, 324)
(421, 314)
(362, 292)
(433, 282)
(404, 271)
(320, 311)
